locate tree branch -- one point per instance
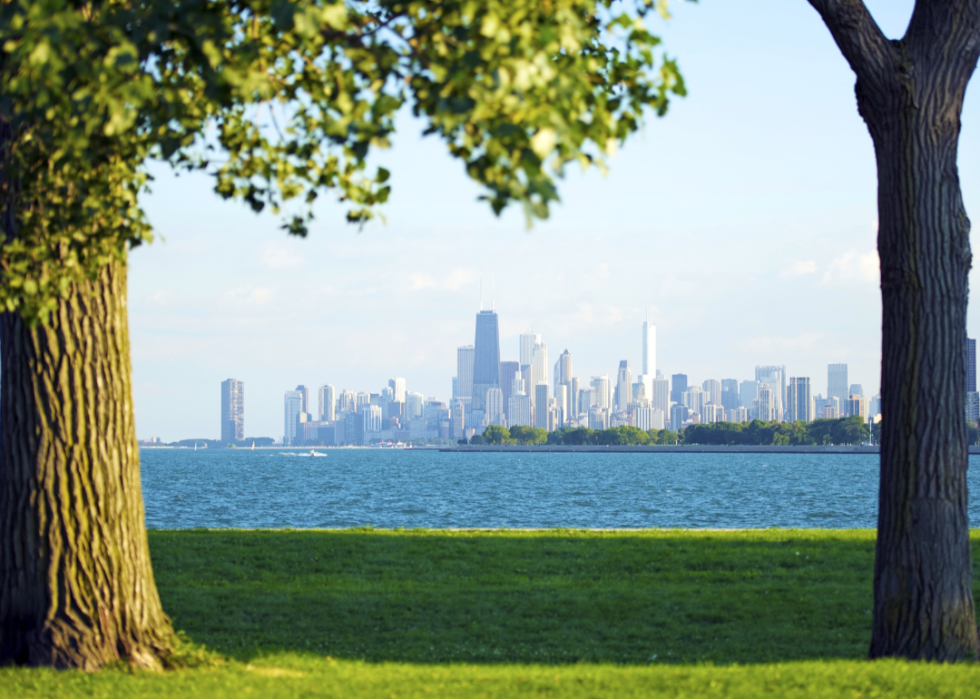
(867, 50)
(945, 33)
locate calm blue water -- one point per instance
(397, 488)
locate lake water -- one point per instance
(406, 488)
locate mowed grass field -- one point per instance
(354, 613)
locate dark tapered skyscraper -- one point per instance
(486, 358)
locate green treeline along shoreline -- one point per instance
(843, 431)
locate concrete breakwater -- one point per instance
(679, 449)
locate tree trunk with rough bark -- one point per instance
(76, 585)
(910, 94)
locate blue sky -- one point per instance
(744, 220)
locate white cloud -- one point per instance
(454, 281)
(278, 257)
(162, 297)
(853, 267)
(422, 281)
(799, 269)
(246, 297)
(800, 341)
(459, 278)
(592, 314)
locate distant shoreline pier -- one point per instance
(685, 449)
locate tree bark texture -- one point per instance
(76, 585)
(910, 94)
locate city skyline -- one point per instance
(563, 400)
(769, 260)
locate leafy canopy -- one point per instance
(280, 100)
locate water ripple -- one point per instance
(395, 488)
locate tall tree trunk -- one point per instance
(76, 585)
(910, 94)
(923, 585)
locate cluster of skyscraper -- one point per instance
(771, 396)
(346, 417)
(532, 391)
(525, 393)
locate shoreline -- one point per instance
(587, 449)
(679, 449)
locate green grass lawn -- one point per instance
(505, 613)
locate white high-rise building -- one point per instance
(767, 402)
(327, 403)
(645, 380)
(346, 402)
(649, 356)
(519, 409)
(292, 408)
(660, 396)
(624, 386)
(695, 399)
(648, 418)
(564, 368)
(232, 410)
(799, 403)
(774, 386)
(518, 385)
(598, 419)
(600, 388)
(414, 405)
(541, 406)
(539, 367)
(528, 341)
(779, 390)
(712, 387)
(371, 415)
(397, 386)
(561, 401)
(495, 407)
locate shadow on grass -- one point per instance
(525, 597)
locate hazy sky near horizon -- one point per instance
(744, 221)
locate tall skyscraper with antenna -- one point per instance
(486, 357)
